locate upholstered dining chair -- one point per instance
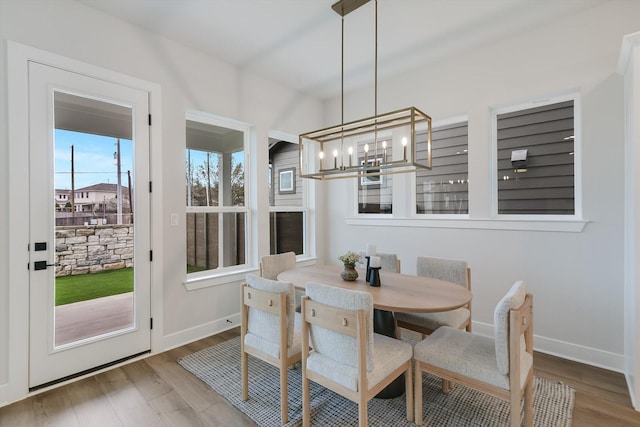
(346, 356)
(455, 271)
(272, 265)
(270, 330)
(388, 262)
(501, 367)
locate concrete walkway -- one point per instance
(86, 319)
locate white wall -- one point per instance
(576, 278)
(189, 80)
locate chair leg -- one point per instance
(408, 384)
(417, 378)
(528, 403)
(284, 399)
(306, 405)
(446, 386)
(515, 408)
(245, 377)
(362, 410)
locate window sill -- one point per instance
(235, 276)
(556, 225)
(217, 278)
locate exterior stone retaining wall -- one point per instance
(93, 248)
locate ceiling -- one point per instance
(298, 42)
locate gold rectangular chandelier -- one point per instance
(384, 144)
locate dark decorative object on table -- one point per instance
(368, 270)
(374, 276)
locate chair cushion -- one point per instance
(453, 318)
(388, 354)
(273, 349)
(512, 299)
(471, 355)
(451, 270)
(338, 347)
(267, 325)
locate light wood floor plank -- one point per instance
(19, 414)
(54, 409)
(223, 415)
(196, 393)
(176, 412)
(91, 405)
(146, 380)
(132, 408)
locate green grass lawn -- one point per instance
(89, 286)
(193, 268)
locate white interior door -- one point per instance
(89, 220)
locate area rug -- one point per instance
(219, 367)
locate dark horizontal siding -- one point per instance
(444, 188)
(547, 185)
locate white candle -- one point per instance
(366, 152)
(384, 151)
(375, 262)
(371, 249)
(350, 153)
(321, 157)
(404, 148)
(335, 159)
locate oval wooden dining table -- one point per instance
(396, 293)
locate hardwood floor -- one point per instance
(157, 391)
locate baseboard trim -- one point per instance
(187, 336)
(632, 392)
(575, 352)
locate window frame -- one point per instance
(305, 186)
(246, 129)
(577, 158)
(414, 198)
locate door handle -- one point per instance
(42, 265)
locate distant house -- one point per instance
(97, 199)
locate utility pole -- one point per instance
(73, 188)
(119, 186)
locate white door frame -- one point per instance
(18, 56)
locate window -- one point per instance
(217, 215)
(287, 207)
(444, 188)
(375, 192)
(535, 159)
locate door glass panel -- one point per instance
(94, 230)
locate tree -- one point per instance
(237, 185)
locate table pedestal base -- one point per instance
(384, 324)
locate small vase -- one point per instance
(349, 273)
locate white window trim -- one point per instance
(224, 275)
(577, 159)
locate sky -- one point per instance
(94, 159)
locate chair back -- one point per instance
(389, 262)
(263, 316)
(504, 331)
(272, 265)
(332, 316)
(451, 270)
